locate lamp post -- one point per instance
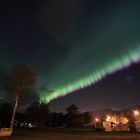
(136, 114)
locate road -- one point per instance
(34, 135)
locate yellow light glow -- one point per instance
(108, 118)
(136, 112)
(96, 119)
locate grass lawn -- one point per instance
(70, 135)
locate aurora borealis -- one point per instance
(69, 44)
(93, 77)
(109, 47)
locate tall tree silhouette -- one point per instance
(16, 83)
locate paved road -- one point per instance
(63, 136)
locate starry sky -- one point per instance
(89, 48)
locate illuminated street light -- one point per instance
(96, 119)
(136, 112)
(108, 118)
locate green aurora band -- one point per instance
(112, 44)
(97, 75)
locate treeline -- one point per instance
(38, 114)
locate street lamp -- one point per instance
(108, 118)
(96, 119)
(136, 113)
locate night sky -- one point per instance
(118, 91)
(90, 48)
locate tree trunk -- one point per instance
(14, 110)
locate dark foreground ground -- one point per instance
(70, 135)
